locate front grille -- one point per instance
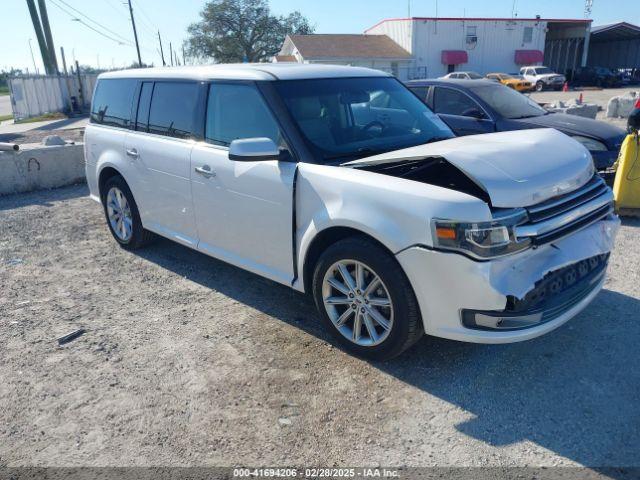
(554, 285)
(567, 213)
(552, 296)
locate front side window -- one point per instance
(507, 102)
(112, 102)
(343, 119)
(543, 71)
(453, 102)
(172, 111)
(236, 111)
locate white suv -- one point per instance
(338, 181)
(543, 78)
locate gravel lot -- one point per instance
(189, 361)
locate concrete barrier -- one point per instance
(36, 167)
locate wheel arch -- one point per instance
(323, 240)
(105, 174)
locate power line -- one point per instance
(146, 21)
(119, 41)
(93, 21)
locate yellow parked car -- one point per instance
(519, 84)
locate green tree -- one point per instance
(241, 31)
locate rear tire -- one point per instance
(122, 215)
(376, 301)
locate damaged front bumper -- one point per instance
(513, 298)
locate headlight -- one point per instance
(482, 240)
(591, 144)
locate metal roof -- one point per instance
(614, 31)
(334, 45)
(248, 71)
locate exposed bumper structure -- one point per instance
(452, 288)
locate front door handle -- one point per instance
(133, 153)
(205, 171)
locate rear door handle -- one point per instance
(133, 153)
(205, 171)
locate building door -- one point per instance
(451, 68)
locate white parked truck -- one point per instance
(543, 78)
(338, 181)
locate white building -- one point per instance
(432, 47)
(372, 51)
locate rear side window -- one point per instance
(453, 102)
(142, 117)
(173, 106)
(421, 92)
(112, 102)
(238, 111)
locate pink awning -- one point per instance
(454, 57)
(528, 57)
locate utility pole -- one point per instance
(44, 17)
(44, 51)
(161, 51)
(135, 34)
(184, 61)
(171, 53)
(64, 61)
(35, 69)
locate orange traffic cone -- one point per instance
(565, 87)
(580, 98)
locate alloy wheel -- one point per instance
(357, 302)
(119, 214)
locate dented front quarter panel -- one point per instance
(396, 212)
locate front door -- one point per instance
(244, 210)
(460, 112)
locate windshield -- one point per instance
(344, 119)
(507, 102)
(543, 71)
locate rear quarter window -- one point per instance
(112, 102)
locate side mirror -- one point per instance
(474, 113)
(253, 150)
(633, 123)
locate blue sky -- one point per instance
(173, 16)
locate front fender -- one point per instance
(394, 211)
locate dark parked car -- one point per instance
(470, 107)
(595, 76)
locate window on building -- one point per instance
(453, 102)
(527, 35)
(173, 107)
(472, 35)
(394, 69)
(112, 102)
(238, 111)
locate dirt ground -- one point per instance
(189, 361)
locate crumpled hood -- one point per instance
(547, 76)
(516, 169)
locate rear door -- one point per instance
(160, 149)
(461, 112)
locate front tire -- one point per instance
(122, 215)
(539, 86)
(365, 300)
